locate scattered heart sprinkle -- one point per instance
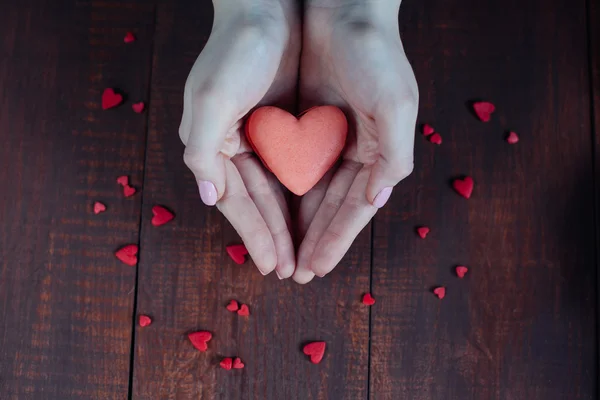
(232, 306)
(423, 231)
(200, 339)
(145, 320)
(427, 129)
(110, 99)
(123, 180)
(461, 271)
(226, 363)
(128, 254)
(315, 350)
(128, 191)
(440, 292)
(464, 187)
(99, 207)
(512, 138)
(237, 253)
(237, 363)
(138, 107)
(484, 110)
(244, 311)
(161, 215)
(436, 138)
(129, 37)
(368, 299)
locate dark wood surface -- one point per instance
(521, 325)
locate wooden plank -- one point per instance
(186, 279)
(522, 324)
(66, 303)
(593, 24)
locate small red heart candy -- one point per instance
(99, 207)
(237, 253)
(315, 350)
(200, 339)
(226, 363)
(427, 129)
(244, 311)
(440, 292)
(128, 191)
(464, 187)
(423, 231)
(145, 320)
(436, 138)
(138, 107)
(110, 99)
(129, 37)
(461, 271)
(237, 363)
(512, 138)
(123, 180)
(128, 254)
(368, 299)
(161, 215)
(232, 306)
(484, 110)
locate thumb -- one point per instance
(203, 154)
(396, 134)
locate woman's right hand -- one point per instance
(250, 59)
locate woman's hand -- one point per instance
(352, 57)
(250, 59)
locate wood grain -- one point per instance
(186, 278)
(66, 302)
(522, 324)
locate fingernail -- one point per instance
(263, 273)
(382, 197)
(279, 276)
(208, 193)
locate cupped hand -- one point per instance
(250, 59)
(352, 57)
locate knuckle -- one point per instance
(195, 161)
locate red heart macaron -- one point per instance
(484, 110)
(128, 254)
(315, 350)
(161, 215)
(200, 339)
(464, 187)
(110, 99)
(299, 151)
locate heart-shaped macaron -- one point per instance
(422, 231)
(128, 254)
(110, 99)
(138, 107)
(244, 311)
(145, 320)
(315, 350)
(200, 339)
(440, 292)
(299, 151)
(461, 271)
(161, 215)
(233, 306)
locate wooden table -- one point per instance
(521, 325)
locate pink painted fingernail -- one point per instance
(382, 197)
(208, 193)
(279, 276)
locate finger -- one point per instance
(334, 198)
(353, 215)
(396, 132)
(309, 205)
(237, 206)
(257, 185)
